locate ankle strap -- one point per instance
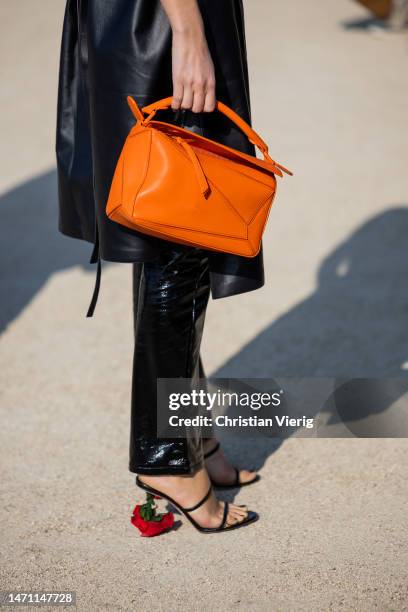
(200, 503)
(213, 451)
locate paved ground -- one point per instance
(330, 97)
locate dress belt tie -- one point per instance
(95, 258)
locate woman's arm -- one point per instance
(193, 69)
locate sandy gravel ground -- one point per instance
(330, 96)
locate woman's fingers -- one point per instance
(210, 99)
(195, 99)
(198, 101)
(187, 101)
(177, 95)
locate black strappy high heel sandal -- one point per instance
(250, 518)
(236, 483)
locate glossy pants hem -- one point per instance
(165, 471)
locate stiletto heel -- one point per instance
(237, 483)
(250, 518)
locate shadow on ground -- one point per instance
(355, 321)
(353, 325)
(365, 24)
(32, 249)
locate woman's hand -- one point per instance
(193, 73)
(193, 69)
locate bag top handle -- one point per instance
(165, 103)
(253, 137)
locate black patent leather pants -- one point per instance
(170, 300)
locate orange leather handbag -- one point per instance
(174, 184)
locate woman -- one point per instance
(146, 49)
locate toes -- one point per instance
(240, 509)
(234, 519)
(237, 514)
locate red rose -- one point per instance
(156, 523)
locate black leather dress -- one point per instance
(114, 48)
(111, 49)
